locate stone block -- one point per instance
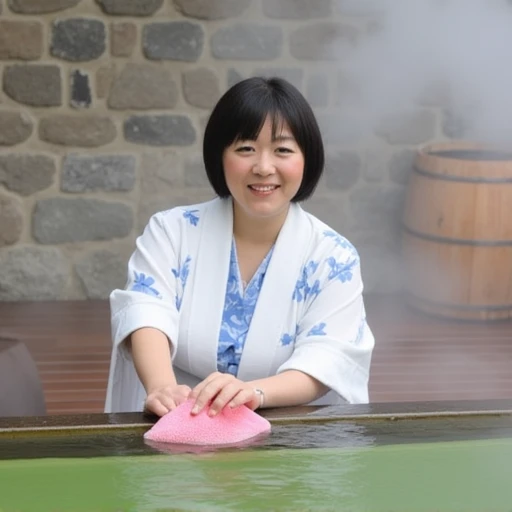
(329, 209)
(322, 41)
(40, 6)
(84, 173)
(15, 127)
(381, 261)
(342, 128)
(21, 40)
(162, 175)
(247, 41)
(342, 169)
(293, 75)
(401, 165)
(144, 87)
(81, 96)
(201, 88)
(195, 173)
(233, 77)
(33, 273)
(78, 39)
(361, 7)
(33, 84)
(63, 220)
(376, 165)
(175, 40)
(81, 131)
(101, 272)
(11, 220)
(377, 208)
(130, 7)
(160, 130)
(26, 174)
(297, 9)
(148, 208)
(212, 9)
(408, 128)
(317, 90)
(105, 75)
(123, 37)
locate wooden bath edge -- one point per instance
(391, 411)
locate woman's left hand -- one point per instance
(223, 389)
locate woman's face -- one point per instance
(264, 175)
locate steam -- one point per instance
(461, 48)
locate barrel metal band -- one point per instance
(465, 307)
(457, 241)
(464, 179)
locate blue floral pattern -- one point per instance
(341, 242)
(305, 286)
(191, 216)
(144, 284)
(340, 271)
(317, 330)
(287, 339)
(238, 311)
(181, 275)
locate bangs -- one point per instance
(248, 121)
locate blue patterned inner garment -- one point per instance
(238, 310)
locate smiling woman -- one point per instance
(246, 299)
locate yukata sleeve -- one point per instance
(150, 296)
(333, 342)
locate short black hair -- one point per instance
(240, 114)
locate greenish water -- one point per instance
(467, 476)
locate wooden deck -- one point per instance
(417, 358)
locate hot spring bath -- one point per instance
(389, 457)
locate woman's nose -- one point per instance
(264, 166)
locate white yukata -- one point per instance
(303, 309)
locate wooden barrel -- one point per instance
(457, 232)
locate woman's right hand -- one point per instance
(162, 400)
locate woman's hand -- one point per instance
(223, 389)
(164, 399)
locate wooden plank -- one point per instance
(417, 357)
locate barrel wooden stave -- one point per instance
(457, 241)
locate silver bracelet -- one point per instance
(260, 393)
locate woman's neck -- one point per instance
(258, 231)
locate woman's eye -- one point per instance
(284, 150)
(244, 148)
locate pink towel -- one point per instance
(230, 426)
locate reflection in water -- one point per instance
(269, 468)
(176, 449)
(248, 480)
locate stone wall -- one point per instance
(102, 109)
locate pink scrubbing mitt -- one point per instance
(230, 426)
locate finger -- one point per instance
(225, 395)
(182, 395)
(199, 387)
(161, 406)
(245, 396)
(207, 394)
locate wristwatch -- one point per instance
(260, 393)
